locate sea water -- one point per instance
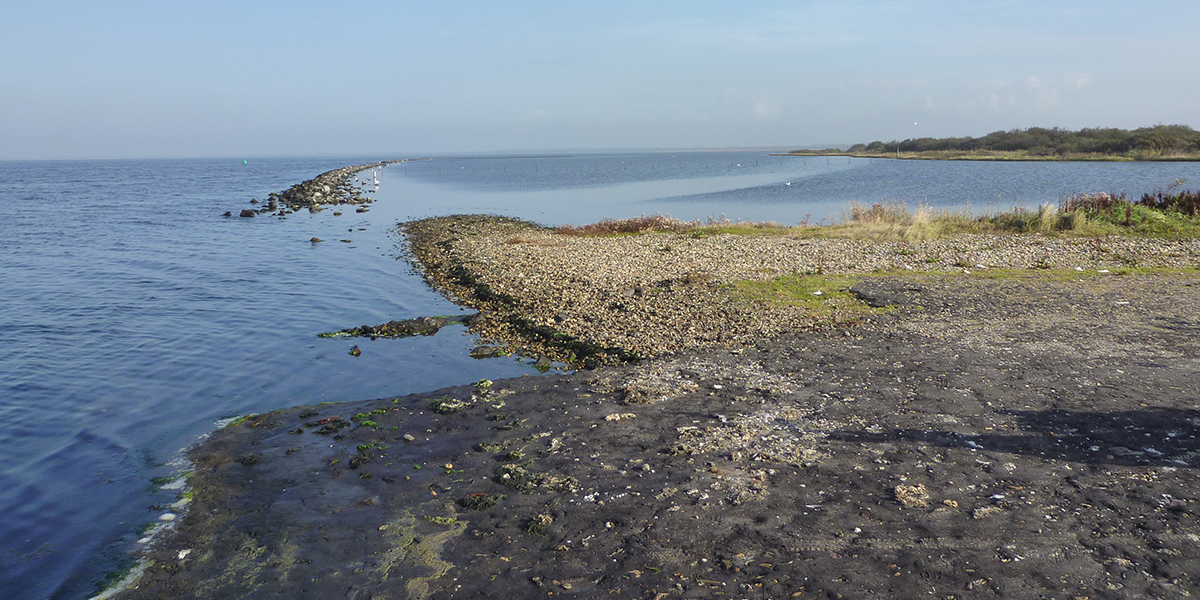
(133, 316)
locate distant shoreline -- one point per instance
(1158, 143)
(989, 156)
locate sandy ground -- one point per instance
(1021, 437)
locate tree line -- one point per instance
(1039, 141)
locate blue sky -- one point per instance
(241, 79)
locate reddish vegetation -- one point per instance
(642, 224)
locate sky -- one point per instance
(397, 79)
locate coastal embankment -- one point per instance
(971, 417)
(329, 188)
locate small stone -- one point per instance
(355, 351)
(247, 212)
(985, 511)
(166, 517)
(912, 496)
(316, 240)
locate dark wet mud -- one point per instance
(1020, 437)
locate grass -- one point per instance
(1166, 214)
(819, 295)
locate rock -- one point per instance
(619, 416)
(397, 329)
(228, 214)
(487, 351)
(361, 209)
(247, 212)
(355, 351)
(912, 496)
(316, 240)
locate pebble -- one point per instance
(628, 292)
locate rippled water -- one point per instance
(132, 316)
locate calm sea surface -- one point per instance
(133, 316)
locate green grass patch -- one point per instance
(819, 295)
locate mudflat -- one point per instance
(1017, 434)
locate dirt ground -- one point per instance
(1018, 437)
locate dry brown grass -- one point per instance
(1082, 214)
(642, 224)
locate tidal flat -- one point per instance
(1015, 419)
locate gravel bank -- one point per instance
(658, 294)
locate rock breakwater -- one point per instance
(329, 188)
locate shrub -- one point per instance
(1184, 202)
(642, 224)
